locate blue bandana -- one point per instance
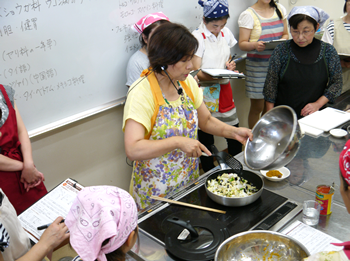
(314, 12)
(214, 8)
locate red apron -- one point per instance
(10, 180)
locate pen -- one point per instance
(47, 225)
(233, 57)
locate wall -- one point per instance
(334, 8)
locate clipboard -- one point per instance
(273, 43)
(223, 73)
(57, 202)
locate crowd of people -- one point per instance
(171, 118)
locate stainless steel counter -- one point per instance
(316, 163)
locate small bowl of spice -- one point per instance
(276, 174)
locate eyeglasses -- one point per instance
(304, 33)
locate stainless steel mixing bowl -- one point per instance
(276, 140)
(261, 245)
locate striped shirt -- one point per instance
(328, 35)
(4, 238)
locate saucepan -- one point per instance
(252, 178)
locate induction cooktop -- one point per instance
(270, 212)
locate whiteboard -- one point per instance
(66, 59)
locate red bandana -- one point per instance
(344, 162)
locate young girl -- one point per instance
(102, 223)
(264, 21)
(215, 41)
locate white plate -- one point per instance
(338, 133)
(285, 174)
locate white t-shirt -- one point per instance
(19, 240)
(246, 19)
(228, 36)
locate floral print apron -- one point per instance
(166, 174)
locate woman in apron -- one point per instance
(162, 114)
(338, 34)
(304, 73)
(215, 41)
(19, 178)
(264, 21)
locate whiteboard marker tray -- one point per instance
(326, 119)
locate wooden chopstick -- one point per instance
(187, 204)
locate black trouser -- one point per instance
(234, 147)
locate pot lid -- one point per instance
(193, 241)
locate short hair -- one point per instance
(344, 9)
(345, 183)
(295, 20)
(118, 254)
(170, 43)
(208, 20)
(146, 32)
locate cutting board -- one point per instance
(326, 119)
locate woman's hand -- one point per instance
(314, 106)
(230, 65)
(192, 147)
(309, 109)
(242, 134)
(31, 177)
(260, 46)
(54, 235)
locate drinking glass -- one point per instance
(311, 212)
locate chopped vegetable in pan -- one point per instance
(231, 185)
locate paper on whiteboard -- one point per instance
(55, 203)
(314, 240)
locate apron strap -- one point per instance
(158, 96)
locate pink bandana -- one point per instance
(99, 213)
(344, 162)
(148, 20)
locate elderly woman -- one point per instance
(338, 34)
(304, 73)
(139, 60)
(214, 43)
(161, 118)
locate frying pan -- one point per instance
(253, 179)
